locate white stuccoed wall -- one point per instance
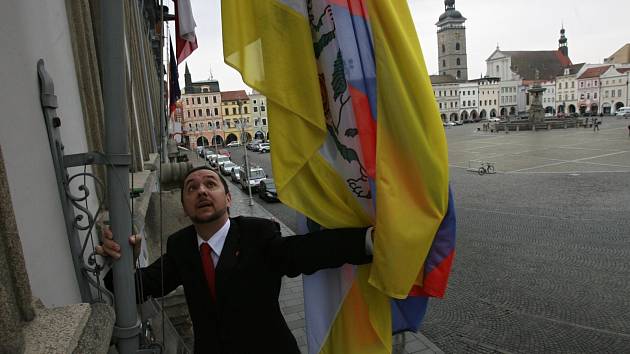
(29, 30)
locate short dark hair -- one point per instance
(199, 168)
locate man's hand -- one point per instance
(109, 247)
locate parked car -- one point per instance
(218, 161)
(250, 145)
(224, 152)
(226, 168)
(494, 119)
(264, 147)
(460, 122)
(233, 144)
(448, 124)
(211, 156)
(267, 190)
(623, 112)
(235, 174)
(256, 174)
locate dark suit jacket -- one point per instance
(246, 317)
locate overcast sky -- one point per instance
(594, 29)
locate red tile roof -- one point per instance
(548, 63)
(623, 70)
(594, 72)
(234, 95)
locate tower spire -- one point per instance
(562, 43)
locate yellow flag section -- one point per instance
(411, 155)
(269, 42)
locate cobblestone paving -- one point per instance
(543, 250)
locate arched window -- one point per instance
(498, 70)
(443, 62)
(457, 46)
(459, 74)
(459, 62)
(443, 48)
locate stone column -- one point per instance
(15, 290)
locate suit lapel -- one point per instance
(229, 254)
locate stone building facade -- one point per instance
(451, 36)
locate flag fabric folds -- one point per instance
(185, 37)
(173, 77)
(358, 141)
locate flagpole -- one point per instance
(127, 327)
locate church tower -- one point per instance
(187, 80)
(451, 35)
(562, 43)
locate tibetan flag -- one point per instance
(185, 38)
(173, 77)
(358, 141)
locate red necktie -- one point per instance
(208, 267)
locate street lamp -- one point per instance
(244, 137)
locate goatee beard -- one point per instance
(211, 218)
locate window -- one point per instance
(572, 84)
(443, 48)
(209, 125)
(200, 113)
(264, 121)
(214, 99)
(595, 95)
(206, 99)
(255, 109)
(227, 112)
(459, 74)
(254, 101)
(459, 62)
(581, 83)
(217, 124)
(198, 100)
(245, 110)
(186, 100)
(588, 95)
(606, 94)
(463, 103)
(566, 97)
(440, 105)
(233, 110)
(207, 111)
(204, 89)
(443, 62)
(469, 104)
(262, 108)
(572, 96)
(188, 113)
(216, 111)
(559, 97)
(194, 113)
(595, 83)
(566, 84)
(619, 93)
(457, 46)
(497, 70)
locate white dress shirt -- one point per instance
(216, 241)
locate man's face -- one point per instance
(204, 198)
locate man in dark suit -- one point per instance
(231, 268)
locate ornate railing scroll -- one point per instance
(77, 215)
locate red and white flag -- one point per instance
(186, 40)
